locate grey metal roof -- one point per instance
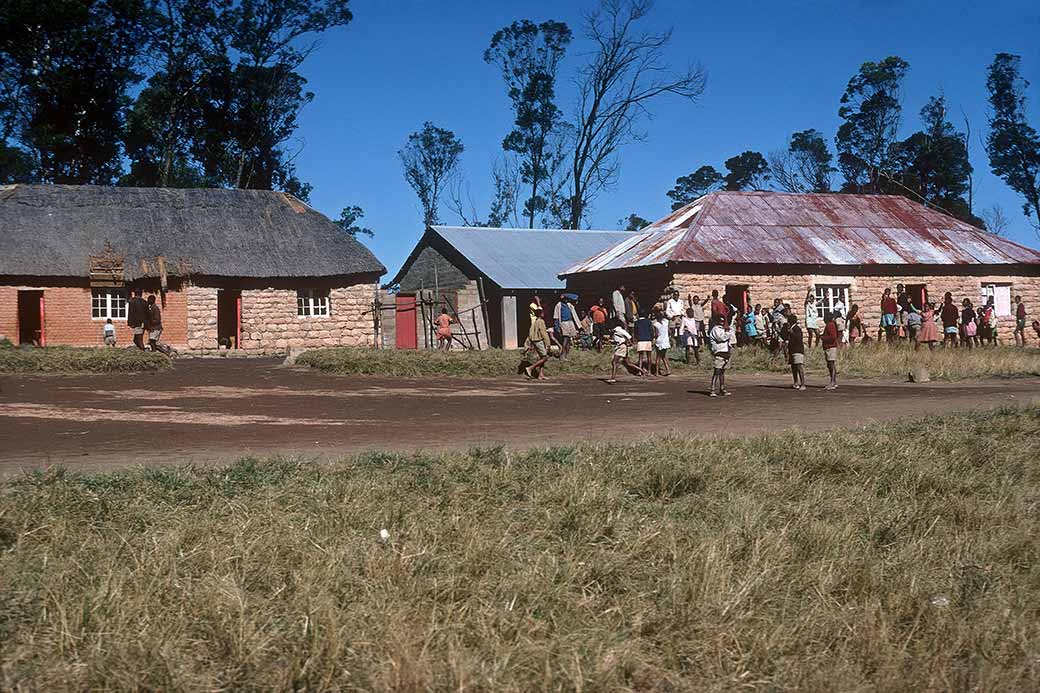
(816, 229)
(526, 258)
(52, 230)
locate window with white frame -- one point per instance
(108, 303)
(828, 295)
(1001, 294)
(312, 303)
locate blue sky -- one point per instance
(773, 68)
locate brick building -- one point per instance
(757, 246)
(250, 269)
(488, 276)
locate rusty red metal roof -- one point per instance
(777, 228)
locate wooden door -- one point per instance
(405, 334)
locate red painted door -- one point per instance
(405, 336)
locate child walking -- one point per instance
(796, 351)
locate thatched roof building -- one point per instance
(52, 230)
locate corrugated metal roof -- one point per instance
(808, 229)
(526, 258)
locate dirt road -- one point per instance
(217, 410)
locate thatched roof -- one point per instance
(53, 230)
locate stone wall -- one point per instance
(270, 322)
(865, 290)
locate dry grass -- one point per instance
(871, 361)
(77, 360)
(896, 558)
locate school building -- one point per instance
(253, 270)
(486, 277)
(757, 246)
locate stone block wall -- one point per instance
(865, 290)
(270, 322)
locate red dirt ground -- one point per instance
(215, 410)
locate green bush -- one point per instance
(79, 360)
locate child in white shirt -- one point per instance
(109, 333)
(621, 338)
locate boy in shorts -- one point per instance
(796, 351)
(719, 341)
(621, 338)
(109, 333)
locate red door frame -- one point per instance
(405, 330)
(43, 322)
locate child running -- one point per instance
(719, 339)
(621, 338)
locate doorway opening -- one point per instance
(229, 318)
(737, 295)
(918, 294)
(30, 318)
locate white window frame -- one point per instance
(313, 303)
(101, 301)
(825, 295)
(991, 290)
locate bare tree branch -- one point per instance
(626, 72)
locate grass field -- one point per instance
(77, 360)
(898, 558)
(870, 361)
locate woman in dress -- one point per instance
(929, 332)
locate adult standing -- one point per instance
(136, 317)
(598, 314)
(631, 309)
(565, 320)
(949, 316)
(1020, 323)
(154, 323)
(617, 302)
(718, 308)
(812, 318)
(674, 310)
(697, 306)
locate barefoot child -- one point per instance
(830, 339)
(719, 341)
(662, 342)
(796, 352)
(621, 339)
(691, 335)
(539, 338)
(644, 334)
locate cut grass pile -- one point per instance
(903, 557)
(870, 361)
(79, 360)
